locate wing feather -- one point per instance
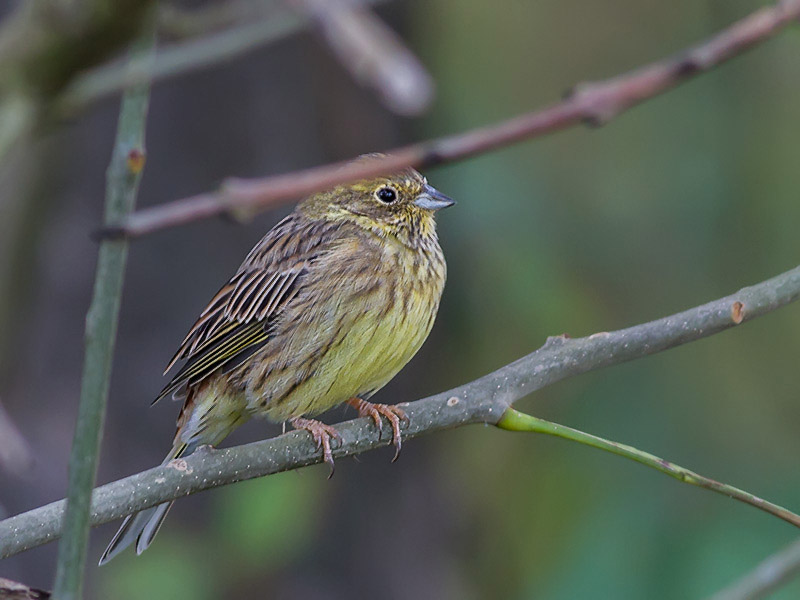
(238, 319)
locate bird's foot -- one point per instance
(322, 434)
(393, 414)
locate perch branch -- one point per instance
(594, 103)
(122, 183)
(484, 400)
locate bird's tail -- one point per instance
(143, 526)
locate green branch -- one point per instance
(122, 183)
(514, 420)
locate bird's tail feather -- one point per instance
(143, 526)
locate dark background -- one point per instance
(680, 201)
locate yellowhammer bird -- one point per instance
(326, 309)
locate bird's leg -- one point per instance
(322, 435)
(394, 415)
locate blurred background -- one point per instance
(684, 199)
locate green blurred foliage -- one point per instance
(682, 200)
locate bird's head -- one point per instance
(401, 204)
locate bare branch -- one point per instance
(180, 58)
(593, 103)
(484, 400)
(250, 29)
(373, 53)
(767, 577)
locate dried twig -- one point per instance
(593, 103)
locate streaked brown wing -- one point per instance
(239, 318)
(235, 324)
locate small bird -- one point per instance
(326, 308)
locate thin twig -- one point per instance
(122, 183)
(484, 400)
(513, 420)
(374, 54)
(178, 59)
(177, 22)
(594, 103)
(184, 57)
(767, 577)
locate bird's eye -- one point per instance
(387, 195)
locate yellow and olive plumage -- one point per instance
(325, 309)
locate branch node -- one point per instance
(737, 312)
(135, 160)
(556, 340)
(598, 103)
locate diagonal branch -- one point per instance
(179, 58)
(592, 103)
(373, 53)
(217, 34)
(513, 420)
(484, 400)
(767, 577)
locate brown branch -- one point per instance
(592, 103)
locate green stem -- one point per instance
(122, 183)
(513, 420)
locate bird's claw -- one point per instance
(321, 434)
(394, 414)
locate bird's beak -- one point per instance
(433, 199)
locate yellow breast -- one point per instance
(359, 336)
